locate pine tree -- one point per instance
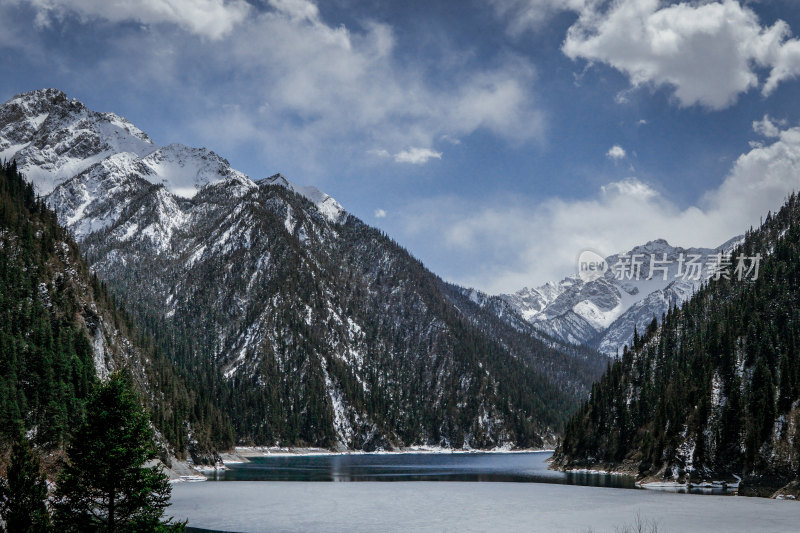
(725, 369)
(23, 494)
(105, 485)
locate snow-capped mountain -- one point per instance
(306, 325)
(53, 138)
(326, 205)
(636, 286)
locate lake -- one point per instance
(452, 492)
(498, 467)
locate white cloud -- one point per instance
(532, 14)
(297, 9)
(416, 156)
(450, 139)
(767, 127)
(302, 92)
(629, 188)
(379, 152)
(413, 155)
(208, 18)
(616, 152)
(327, 93)
(380, 213)
(511, 242)
(705, 52)
(341, 82)
(785, 66)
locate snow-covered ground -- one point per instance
(439, 506)
(241, 453)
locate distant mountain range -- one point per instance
(603, 313)
(303, 325)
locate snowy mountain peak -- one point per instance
(53, 138)
(326, 205)
(184, 170)
(276, 179)
(40, 101)
(653, 247)
(40, 104)
(603, 313)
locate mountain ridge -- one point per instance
(307, 326)
(713, 393)
(603, 313)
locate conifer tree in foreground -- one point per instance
(105, 485)
(23, 494)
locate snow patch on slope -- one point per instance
(185, 170)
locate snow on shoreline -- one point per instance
(596, 471)
(242, 453)
(664, 485)
(670, 486)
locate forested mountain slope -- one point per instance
(60, 331)
(322, 332)
(715, 391)
(305, 325)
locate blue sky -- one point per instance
(494, 139)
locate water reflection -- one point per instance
(508, 467)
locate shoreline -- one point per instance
(242, 454)
(184, 472)
(731, 486)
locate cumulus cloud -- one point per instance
(785, 66)
(416, 156)
(629, 188)
(510, 243)
(297, 9)
(380, 213)
(339, 81)
(209, 18)
(705, 52)
(616, 152)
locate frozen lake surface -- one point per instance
(286, 506)
(452, 492)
